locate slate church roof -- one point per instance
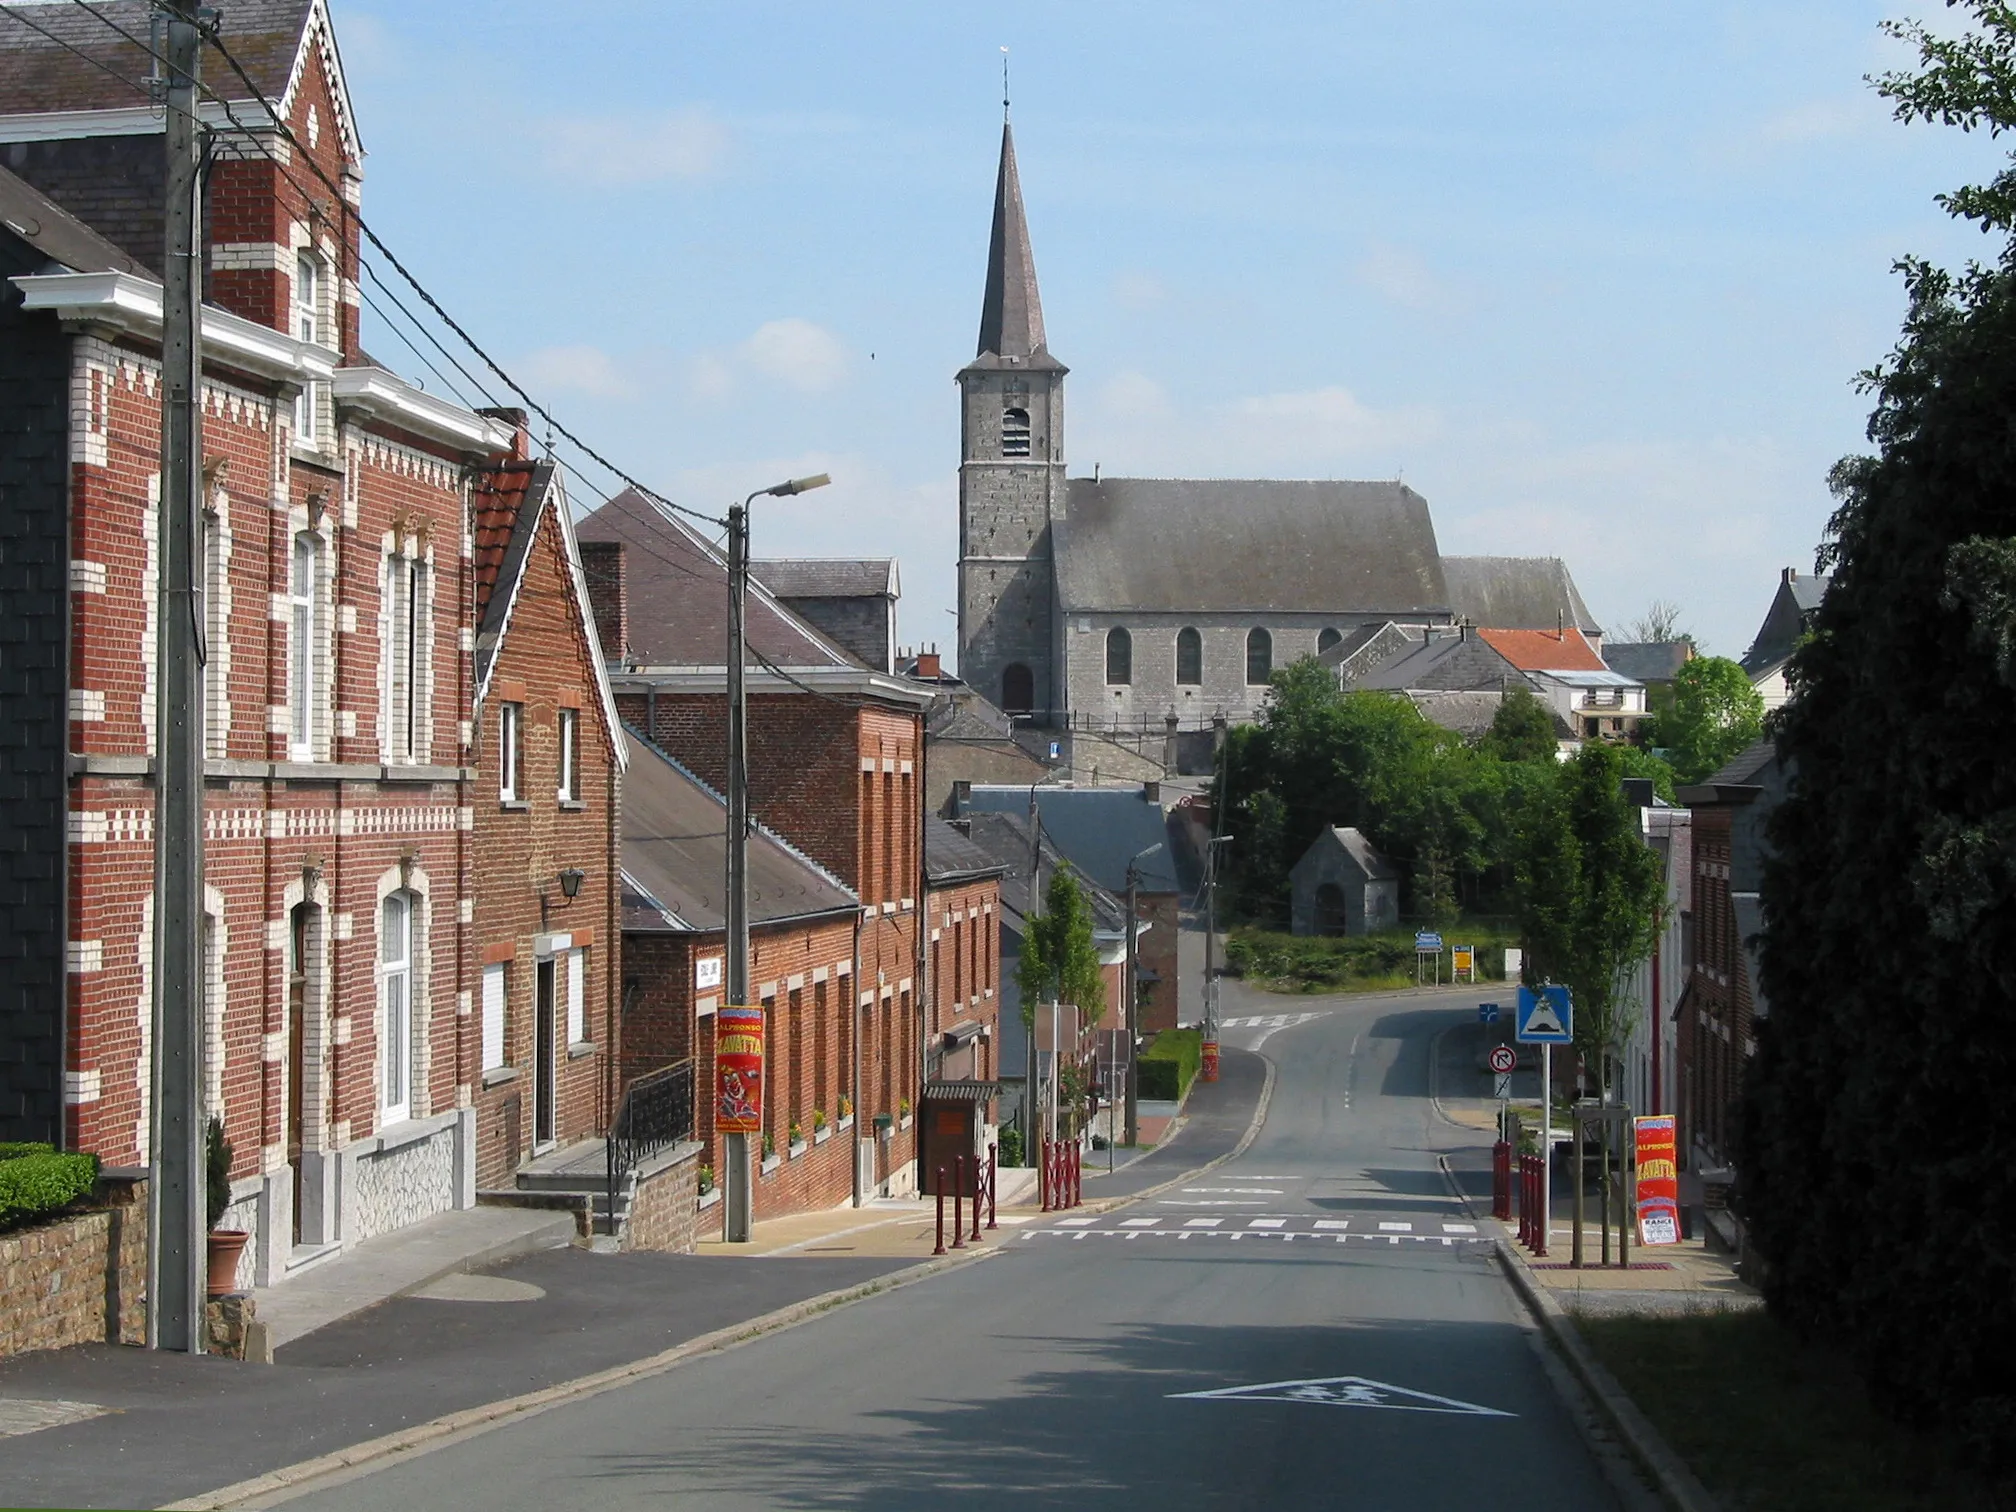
(1516, 593)
(1011, 310)
(1205, 546)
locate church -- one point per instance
(1119, 603)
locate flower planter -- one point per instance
(226, 1245)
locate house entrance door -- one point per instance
(298, 935)
(545, 1062)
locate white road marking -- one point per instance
(1266, 1223)
(32, 1414)
(1332, 1223)
(1138, 1222)
(1458, 1228)
(1194, 1223)
(1077, 1222)
(1241, 1191)
(1342, 1391)
(1211, 1202)
(1396, 1228)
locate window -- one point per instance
(577, 997)
(1189, 657)
(395, 1037)
(1119, 656)
(1018, 689)
(510, 756)
(409, 639)
(308, 326)
(495, 983)
(301, 669)
(1327, 637)
(1015, 432)
(1259, 656)
(216, 630)
(570, 779)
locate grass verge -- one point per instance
(1774, 1425)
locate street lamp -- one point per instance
(1132, 1129)
(737, 1178)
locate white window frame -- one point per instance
(308, 327)
(408, 652)
(496, 997)
(569, 787)
(577, 997)
(396, 953)
(303, 661)
(510, 750)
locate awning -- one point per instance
(961, 1091)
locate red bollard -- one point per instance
(1540, 1214)
(958, 1202)
(941, 1212)
(1043, 1172)
(993, 1181)
(1501, 1180)
(1077, 1158)
(979, 1175)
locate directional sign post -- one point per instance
(1546, 1019)
(1487, 1013)
(1426, 943)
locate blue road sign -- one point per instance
(1427, 939)
(1546, 1017)
(1487, 1013)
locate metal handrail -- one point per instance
(656, 1113)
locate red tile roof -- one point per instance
(498, 496)
(1544, 650)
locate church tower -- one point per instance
(1011, 476)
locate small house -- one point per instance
(1342, 885)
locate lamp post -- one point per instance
(737, 1175)
(1133, 1111)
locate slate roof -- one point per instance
(1517, 593)
(1097, 828)
(1648, 662)
(677, 585)
(828, 577)
(1003, 837)
(1375, 866)
(1785, 621)
(1745, 767)
(37, 74)
(675, 856)
(1011, 310)
(56, 233)
(1190, 545)
(1543, 650)
(1446, 663)
(1468, 713)
(951, 856)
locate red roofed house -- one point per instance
(341, 604)
(1569, 674)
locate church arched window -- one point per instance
(1189, 657)
(1015, 432)
(1327, 637)
(1018, 689)
(1119, 655)
(1259, 656)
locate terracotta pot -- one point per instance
(226, 1245)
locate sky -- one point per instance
(1595, 279)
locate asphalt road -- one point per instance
(1365, 1351)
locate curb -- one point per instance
(474, 1420)
(1108, 1204)
(1678, 1485)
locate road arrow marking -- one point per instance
(1342, 1391)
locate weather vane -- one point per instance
(1004, 83)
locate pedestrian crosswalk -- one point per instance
(1393, 1233)
(1269, 1024)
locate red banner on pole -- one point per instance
(1210, 1068)
(738, 1070)
(1658, 1203)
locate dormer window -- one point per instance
(1015, 432)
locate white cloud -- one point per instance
(1326, 421)
(684, 144)
(1131, 424)
(582, 369)
(709, 377)
(796, 352)
(1403, 276)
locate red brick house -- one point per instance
(835, 757)
(802, 930)
(341, 604)
(548, 783)
(960, 1108)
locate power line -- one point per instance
(282, 128)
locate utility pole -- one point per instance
(1131, 1115)
(175, 1190)
(1222, 764)
(1035, 907)
(738, 1177)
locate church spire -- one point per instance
(1011, 312)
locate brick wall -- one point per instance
(77, 1280)
(664, 1210)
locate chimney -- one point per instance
(1151, 792)
(1170, 748)
(962, 795)
(521, 437)
(928, 665)
(1789, 576)
(609, 597)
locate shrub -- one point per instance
(1336, 963)
(1011, 1147)
(217, 1171)
(43, 1182)
(15, 1149)
(1170, 1064)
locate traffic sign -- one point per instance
(1546, 1016)
(1428, 939)
(1503, 1058)
(1501, 1086)
(1487, 1013)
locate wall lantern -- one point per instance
(570, 882)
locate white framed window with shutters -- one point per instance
(576, 966)
(496, 985)
(569, 784)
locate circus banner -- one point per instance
(738, 1070)
(1658, 1200)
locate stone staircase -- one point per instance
(580, 1171)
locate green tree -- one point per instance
(1590, 893)
(1521, 730)
(1876, 1177)
(1715, 713)
(1059, 961)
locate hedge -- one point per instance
(1329, 963)
(15, 1149)
(1170, 1064)
(34, 1185)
